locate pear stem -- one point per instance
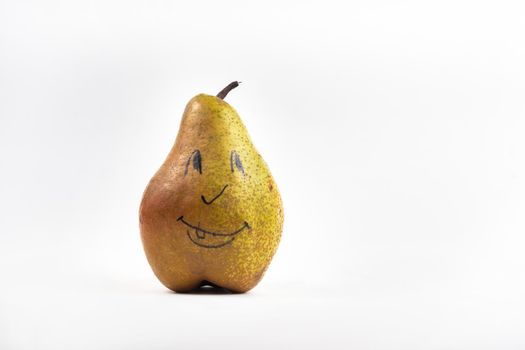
(227, 89)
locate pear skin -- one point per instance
(212, 214)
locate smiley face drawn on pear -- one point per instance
(199, 236)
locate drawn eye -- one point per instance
(196, 161)
(235, 161)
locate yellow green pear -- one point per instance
(212, 214)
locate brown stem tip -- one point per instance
(227, 89)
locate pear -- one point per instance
(212, 214)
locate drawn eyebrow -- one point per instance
(197, 160)
(236, 159)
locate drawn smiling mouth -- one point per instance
(208, 239)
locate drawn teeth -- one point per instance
(200, 234)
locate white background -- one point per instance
(395, 131)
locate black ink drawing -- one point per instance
(236, 159)
(201, 234)
(214, 198)
(197, 162)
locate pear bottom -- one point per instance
(182, 267)
(182, 281)
(189, 286)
